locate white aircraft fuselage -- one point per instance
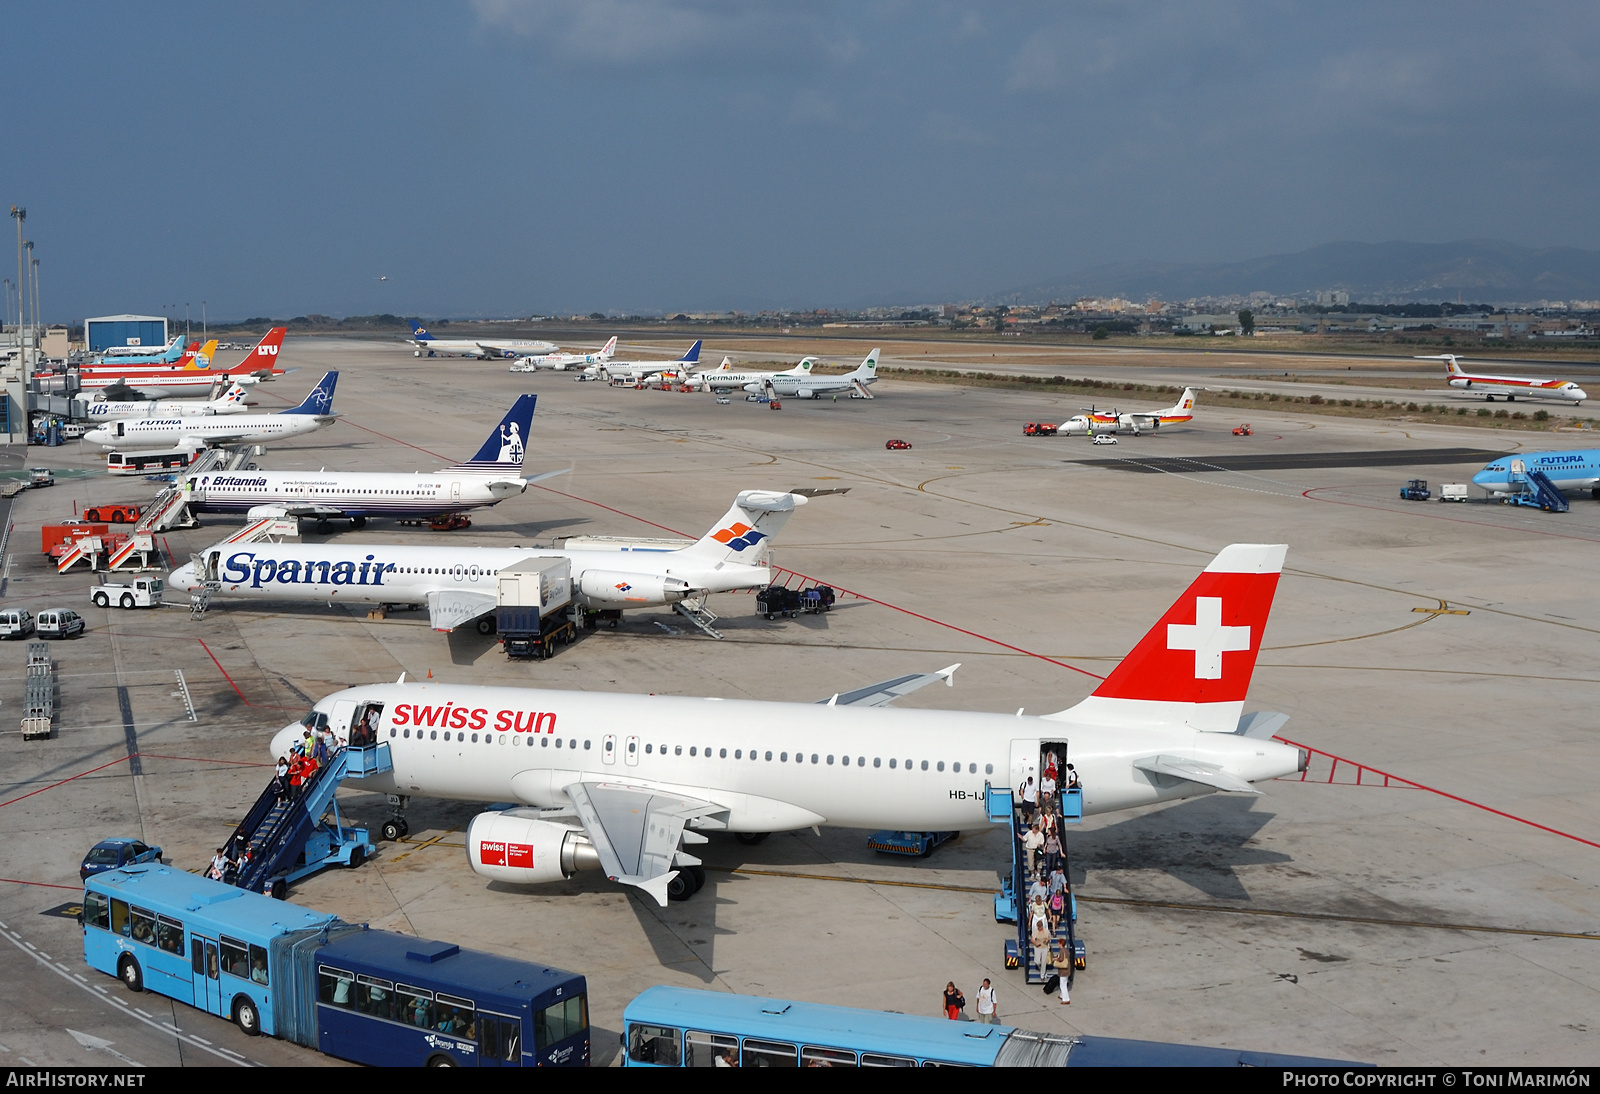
(773, 766)
(353, 493)
(138, 434)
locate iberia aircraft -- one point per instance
(725, 377)
(156, 434)
(488, 478)
(261, 364)
(1098, 421)
(460, 584)
(1510, 386)
(628, 783)
(231, 401)
(560, 362)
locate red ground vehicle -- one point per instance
(113, 514)
(1040, 429)
(1242, 430)
(774, 405)
(449, 522)
(896, 444)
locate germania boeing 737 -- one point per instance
(629, 783)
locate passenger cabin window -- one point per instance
(815, 1056)
(96, 911)
(414, 1006)
(335, 987)
(455, 1016)
(654, 1045)
(562, 1020)
(710, 1050)
(119, 917)
(144, 926)
(169, 935)
(874, 1059)
(375, 997)
(769, 1054)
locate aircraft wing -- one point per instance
(878, 695)
(636, 830)
(301, 510)
(449, 608)
(1194, 771)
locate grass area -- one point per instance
(1104, 395)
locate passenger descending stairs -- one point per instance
(276, 831)
(1010, 904)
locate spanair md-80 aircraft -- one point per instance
(628, 783)
(1509, 387)
(1136, 422)
(459, 584)
(152, 434)
(488, 478)
(474, 347)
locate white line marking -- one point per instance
(146, 1013)
(202, 1040)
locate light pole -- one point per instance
(186, 321)
(7, 280)
(31, 271)
(202, 319)
(35, 263)
(19, 215)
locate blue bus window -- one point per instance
(500, 1038)
(707, 1049)
(235, 958)
(556, 1023)
(769, 1054)
(815, 1056)
(653, 1045)
(144, 926)
(874, 1059)
(454, 1016)
(375, 997)
(95, 912)
(415, 1006)
(169, 935)
(335, 987)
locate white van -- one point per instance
(15, 623)
(60, 623)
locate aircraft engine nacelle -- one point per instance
(617, 589)
(524, 850)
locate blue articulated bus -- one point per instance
(370, 996)
(682, 1027)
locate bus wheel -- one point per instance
(280, 889)
(441, 1061)
(750, 839)
(129, 973)
(681, 887)
(246, 1017)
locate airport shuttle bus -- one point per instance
(683, 1027)
(140, 463)
(373, 997)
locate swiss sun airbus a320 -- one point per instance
(627, 783)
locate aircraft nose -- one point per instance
(182, 578)
(285, 737)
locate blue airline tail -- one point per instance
(320, 401)
(418, 332)
(506, 445)
(692, 356)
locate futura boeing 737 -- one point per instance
(459, 584)
(629, 783)
(149, 434)
(488, 478)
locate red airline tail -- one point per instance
(1194, 666)
(264, 356)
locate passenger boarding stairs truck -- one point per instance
(1010, 903)
(1537, 491)
(303, 832)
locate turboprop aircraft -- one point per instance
(1509, 386)
(811, 385)
(229, 402)
(459, 584)
(628, 783)
(474, 347)
(1136, 422)
(560, 362)
(488, 478)
(150, 434)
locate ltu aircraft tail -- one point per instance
(265, 355)
(1194, 666)
(746, 529)
(320, 401)
(505, 446)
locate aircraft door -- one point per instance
(1024, 762)
(632, 753)
(340, 720)
(455, 492)
(608, 748)
(212, 560)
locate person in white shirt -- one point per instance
(986, 1010)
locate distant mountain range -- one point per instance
(1473, 270)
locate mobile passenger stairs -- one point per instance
(303, 832)
(1537, 491)
(1010, 903)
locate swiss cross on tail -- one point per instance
(1204, 648)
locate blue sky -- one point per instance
(513, 156)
